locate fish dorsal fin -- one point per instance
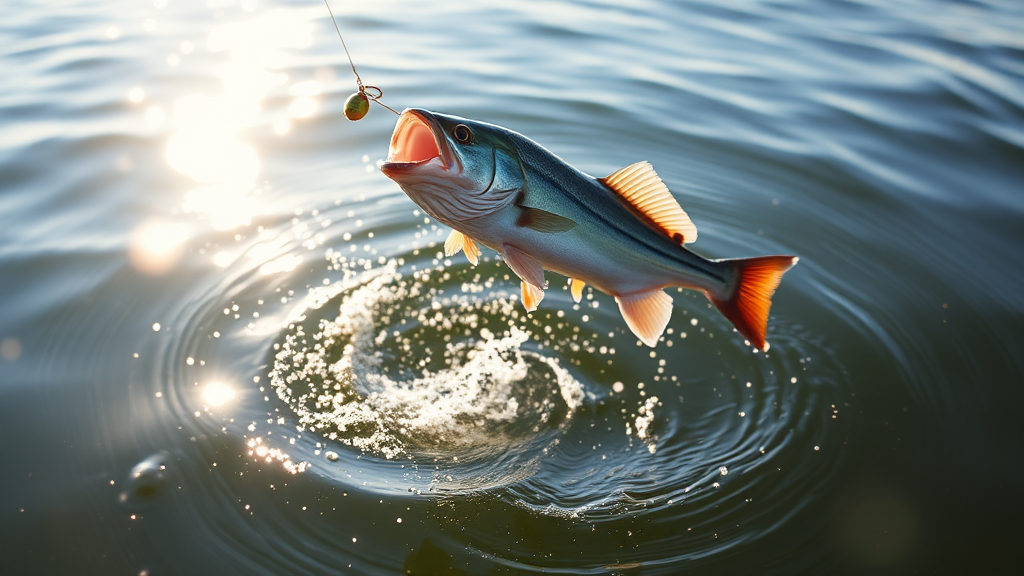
(646, 314)
(458, 241)
(640, 185)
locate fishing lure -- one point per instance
(358, 104)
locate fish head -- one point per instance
(454, 168)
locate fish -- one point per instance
(624, 234)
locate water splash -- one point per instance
(368, 382)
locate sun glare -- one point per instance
(206, 145)
(156, 246)
(218, 394)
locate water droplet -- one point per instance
(147, 481)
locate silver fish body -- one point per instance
(623, 234)
(611, 248)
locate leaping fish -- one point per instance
(623, 234)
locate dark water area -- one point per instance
(230, 345)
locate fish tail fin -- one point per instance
(747, 302)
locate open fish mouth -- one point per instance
(416, 141)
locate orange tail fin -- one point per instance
(747, 305)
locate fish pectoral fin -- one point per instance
(531, 296)
(576, 287)
(525, 266)
(640, 185)
(543, 221)
(646, 314)
(457, 241)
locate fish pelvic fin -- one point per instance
(457, 241)
(750, 299)
(472, 251)
(576, 287)
(531, 296)
(525, 266)
(640, 185)
(646, 314)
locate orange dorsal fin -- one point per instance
(576, 287)
(531, 296)
(639, 185)
(646, 314)
(747, 305)
(458, 241)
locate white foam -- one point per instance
(643, 423)
(356, 401)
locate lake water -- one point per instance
(230, 345)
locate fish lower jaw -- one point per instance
(392, 166)
(410, 169)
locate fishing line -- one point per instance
(358, 104)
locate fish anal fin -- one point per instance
(532, 296)
(576, 287)
(525, 266)
(747, 305)
(640, 185)
(457, 241)
(543, 221)
(646, 314)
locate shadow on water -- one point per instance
(430, 559)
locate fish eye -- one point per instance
(462, 133)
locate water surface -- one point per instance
(230, 345)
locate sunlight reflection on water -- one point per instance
(218, 394)
(156, 246)
(206, 145)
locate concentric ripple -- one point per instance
(430, 365)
